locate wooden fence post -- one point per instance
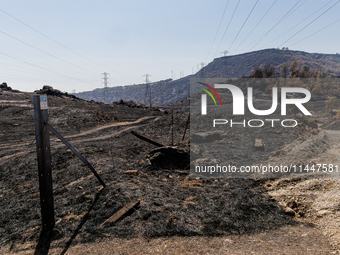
(44, 160)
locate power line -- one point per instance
(227, 27)
(244, 23)
(42, 68)
(299, 23)
(23, 70)
(256, 25)
(45, 64)
(218, 29)
(62, 45)
(46, 52)
(289, 13)
(301, 4)
(19, 68)
(19, 77)
(276, 24)
(315, 32)
(310, 22)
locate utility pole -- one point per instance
(225, 55)
(181, 74)
(105, 78)
(147, 90)
(202, 65)
(146, 78)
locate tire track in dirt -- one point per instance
(119, 124)
(22, 153)
(6, 158)
(98, 138)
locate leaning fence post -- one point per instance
(44, 160)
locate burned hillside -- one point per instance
(170, 202)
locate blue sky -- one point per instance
(128, 39)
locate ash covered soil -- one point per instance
(171, 203)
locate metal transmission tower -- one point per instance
(147, 90)
(105, 78)
(201, 70)
(225, 55)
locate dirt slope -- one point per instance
(315, 200)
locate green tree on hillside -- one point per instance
(257, 72)
(265, 71)
(305, 68)
(327, 113)
(271, 71)
(293, 66)
(332, 103)
(305, 73)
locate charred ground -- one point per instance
(172, 204)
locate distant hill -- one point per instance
(162, 92)
(168, 91)
(243, 64)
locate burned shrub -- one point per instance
(169, 158)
